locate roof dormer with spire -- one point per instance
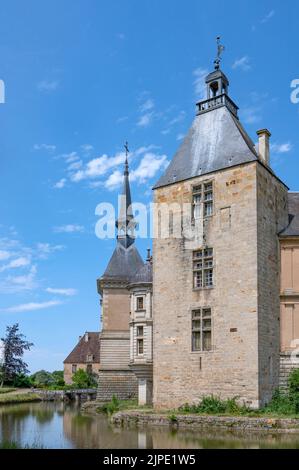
(125, 260)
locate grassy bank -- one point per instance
(10, 398)
(6, 390)
(15, 445)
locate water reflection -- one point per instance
(56, 425)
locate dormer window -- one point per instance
(89, 358)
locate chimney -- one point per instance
(263, 145)
(86, 337)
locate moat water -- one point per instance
(57, 425)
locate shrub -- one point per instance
(22, 381)
(281, 403)
(42, 379)
(81, 379)
(111, 407)
(211, 404)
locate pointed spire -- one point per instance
(125, 222)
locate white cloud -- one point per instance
(268, 16)
(16, 263)
(281, 148)
(60, 184)
(87, 148)
(145, 120)
(251, 114)
(32, 306)
(243, 63)
(69, 228)
(48, 85)
(98, 167)
(147, 105)
(180, 136)
(48, 147)
(4, 255)
(45, 249)
(22, 282)
(114, 180)
(199, 82)
(148, 167)
(67, 292)
(150, 164)
(180, 117)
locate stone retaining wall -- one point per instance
(198, 421)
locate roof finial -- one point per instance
(126, 146)
(220, 49)
(148, 254)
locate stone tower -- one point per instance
(216, 291)
(115, 375)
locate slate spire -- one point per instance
(125, 222)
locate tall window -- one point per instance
(202, 200)
(74, 368)
(202, 329)
(203, 268)
(140, 340)
(89, 368)
(140, 303)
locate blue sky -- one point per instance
(80, 78)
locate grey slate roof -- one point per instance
(215, 141)
(144, 275)
(85, 348)
(292, 230)
(123, 263)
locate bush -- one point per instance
(81, 379)
(211, 404)
(22, 381)
(111, 407)
(42, 379)
(293, 382)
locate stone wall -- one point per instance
(122, 384)
(272, 217)
(239, 314)
(143, 419)
(68, 374)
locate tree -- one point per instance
(42, 378)
(58, 377)
(14, 346)
(81, 379)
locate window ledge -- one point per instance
(203, 288)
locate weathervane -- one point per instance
(220, 49)
(126, 148)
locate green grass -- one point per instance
(6, 399)
(6, 390)
(15, 445)
(117, 405)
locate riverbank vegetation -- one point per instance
(117, 405)
(7, 390)
(11, 398)
(284, 404)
